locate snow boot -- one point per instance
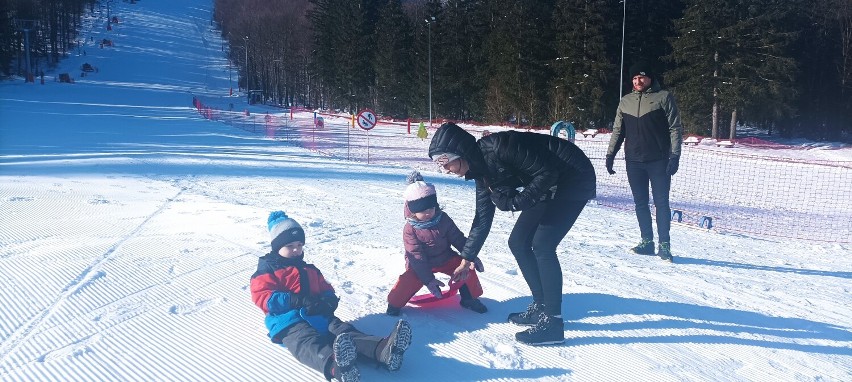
(665, 252)
(344, 368)
(548, 330)
(528, 318)
(645, 247)
(393, 311)
(474, 305)
(395, 345)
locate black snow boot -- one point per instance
(393, 311)
(474, 305)
(395, 345)
(645, 247)
(528, 318)
(548, 331)
(665, 252)
(344, 368)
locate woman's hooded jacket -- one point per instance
(539, 166)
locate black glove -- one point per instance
(299, 301)
(331, 301)
(322, 305)
(503, 198)
(674, 162)
(610, 159)
(523, 201)
(477, 264)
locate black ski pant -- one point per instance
(533, 242)
(640, 175)
(314, 349)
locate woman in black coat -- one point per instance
(547, 178)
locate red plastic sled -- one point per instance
(427, 297)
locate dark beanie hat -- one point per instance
(283, 230)
(641, 68)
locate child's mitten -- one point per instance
(434, 287)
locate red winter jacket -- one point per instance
(274, 283)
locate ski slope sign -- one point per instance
(366, 119)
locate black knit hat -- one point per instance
(283, 230)
(641, 68)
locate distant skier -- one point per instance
(427, 236)
(299, 305)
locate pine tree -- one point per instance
(418, 13)
(648, 28)
(458, 58)
(354, 69)
(582, 66)
(53, 27)
(757, 70)
(518, 53)
(7, 37)
(326, 37)
(393, 63)
(733, 56)
(503, 68)
(824, 80)
(343, 30)
(696, 54)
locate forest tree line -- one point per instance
(50, 27)
(783, 65)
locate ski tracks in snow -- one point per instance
(83, 279)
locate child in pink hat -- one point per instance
(428, 236)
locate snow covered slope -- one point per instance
(129, 228)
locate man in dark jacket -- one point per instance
(648, 123)
(550, 180)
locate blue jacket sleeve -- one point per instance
(279, 303)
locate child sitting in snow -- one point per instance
(428, 234)
(299, 305)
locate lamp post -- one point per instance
(248, 76)
(429, 22)
(556, 95)
(26, 26)
(279, 63)
(27, 48)
(621, 75)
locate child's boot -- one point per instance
(474, 305)
(390, 350)
(393, 311)
(343, 367)
(469, 302)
